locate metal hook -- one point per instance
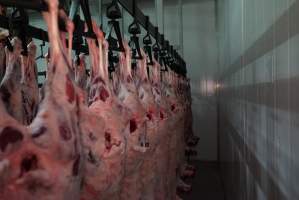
(42, 45)
(74, 8)
(113, 13)
(87, 16)
(147, 41)
(18, 23)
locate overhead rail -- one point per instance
(128, 5)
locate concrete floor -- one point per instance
(206, 185)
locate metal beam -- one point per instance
(38, 5)
(34, 32)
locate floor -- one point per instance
(206, 185)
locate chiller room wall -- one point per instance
(258, 59)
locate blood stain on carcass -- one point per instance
(65, 132)
(70, 91)
(161, 115)
(149, 116)
(9, 135)
(172, 107)
(133, 125)
(104, 95)
(28, 163)
(108, 140)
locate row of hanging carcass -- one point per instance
(91, 137)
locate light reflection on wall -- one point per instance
(205, 87)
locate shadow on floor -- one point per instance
(206, 185)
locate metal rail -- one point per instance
(40, 5)
(141, 19)
(36, 33)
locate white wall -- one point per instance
(200, 53)
(259, 48)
